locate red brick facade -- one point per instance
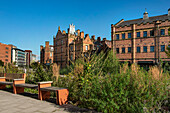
(46, 53)
(141, 40)
(5, 53)
(69, 46)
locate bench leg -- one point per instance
(44, 95)
(62, 96)
(2, 86)
(18, 90)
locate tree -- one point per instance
(1, 63)
(168, 51)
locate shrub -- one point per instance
(108, 87)
(39, 74)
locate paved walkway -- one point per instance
(28, 103)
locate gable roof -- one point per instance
(143, 21)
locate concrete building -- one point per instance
(5, 53)
(143, 40)
(46, 53)
(34, 58)
(18, 57)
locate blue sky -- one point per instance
(29, 23)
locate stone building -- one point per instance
(46, 53)
(143, 40)
(5, 53)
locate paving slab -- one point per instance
(29, 103)
(14, 103)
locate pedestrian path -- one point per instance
(28, 103)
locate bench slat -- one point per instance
(32, 86)
(12, 76)
(1, 74)
(7, 83)
(52, 88)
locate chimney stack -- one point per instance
(145, 15)
(78, 32)
(64, 32)
(93, 38)
(82, 34)
(104, 39)
(98, 39)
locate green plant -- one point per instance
(40, 73)
(1, 63)
(96, 83)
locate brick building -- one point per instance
(143, 40)
(5, 53)
(70, 46)
(46, 54)
(28, 57)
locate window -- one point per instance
(145, 49)
(61, 58)
(144, 33)
(56, 43)
(117, 36)
(61, 49)
(6, 51)
(152, 33)
(6, 60)
(117, 50)
(123, 36)
(71, 57)
(56, 58)
(71, 48)
(162, 48)
(50, 54)
(86, 47)
(123, 50)
(129, 35)
(129, 49)
(162, 31)
(6, 47)
(138, 34)
(152, 48)
(56, 50)
(6, 56)
(61, 42)
(138, 49)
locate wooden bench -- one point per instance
(11, 79)
(44, 89)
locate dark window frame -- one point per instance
(145, 49)
(162, 31)
(137, 34)
(117, 36)
(123, 36)
(123, 50)
(144, 33)
(117, 50)
(138, 48)
(162, 48)
(152, 48)
(129, 35)
(129, 49)
(152, 33)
